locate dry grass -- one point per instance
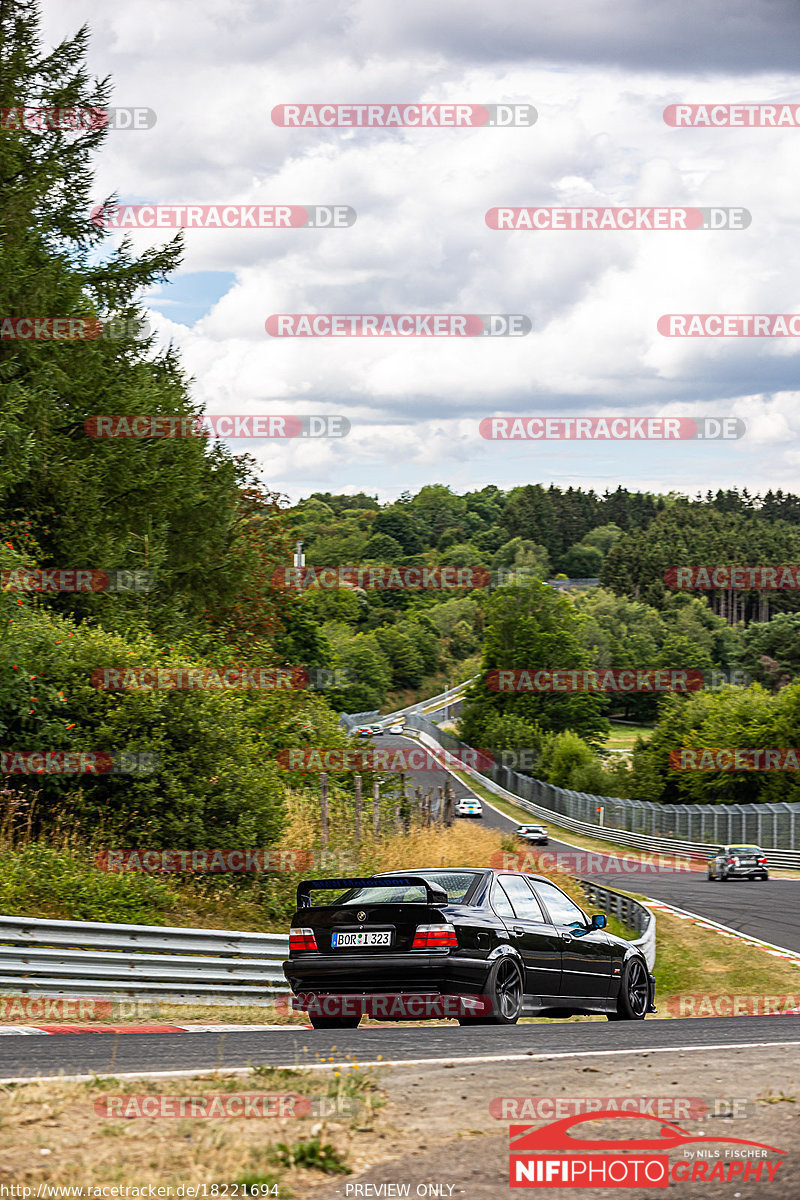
(50, 1131)
(695, 961)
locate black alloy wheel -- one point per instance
(634, 993)
(504, 993)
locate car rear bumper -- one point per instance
(378, 973)
(746, 872)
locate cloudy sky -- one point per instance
(599, 76)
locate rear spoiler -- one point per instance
(434, 893)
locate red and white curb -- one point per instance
(791, 956)
(26, 1030)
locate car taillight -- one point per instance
(733, 862)
(434, 937)
(302, 939)
(762, 860)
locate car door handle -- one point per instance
(566, 937)
(518, 932)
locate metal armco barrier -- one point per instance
(92, 959)
(88, 959)
(140, 962)
(631, 912)
(770, 826)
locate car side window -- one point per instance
(526, 906)
(501, 903)
(563, 911)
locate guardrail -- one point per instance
(432, 704)
(631, 912)
(776, 857)
(89, 959)
(98, 959)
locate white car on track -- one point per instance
(468, 808)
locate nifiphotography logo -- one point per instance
(547, 1156)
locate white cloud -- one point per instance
(600, 78)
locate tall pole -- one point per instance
(357, 809)
(323, 809)
(376, 808)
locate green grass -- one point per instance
(623, 737)
(313, 1155)
(63, 883)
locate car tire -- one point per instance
(504, 989)
(634, 993)
(333, 1022)
(710, 877)
(723, 877)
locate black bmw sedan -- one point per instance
(501, 944)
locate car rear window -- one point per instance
(455, 883)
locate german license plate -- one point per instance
(361, 937)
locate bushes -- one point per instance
(216, 784)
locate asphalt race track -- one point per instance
(104, 1054)
(770, 911)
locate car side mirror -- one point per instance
(599, 921)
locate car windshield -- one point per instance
(743, 850)
(455, 883)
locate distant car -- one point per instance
(533, 833)
(396, 728)
(377, 730)
(363, 731)
(468, 808)
(738, 862)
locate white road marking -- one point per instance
(241, 1072)
(24, 1030)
